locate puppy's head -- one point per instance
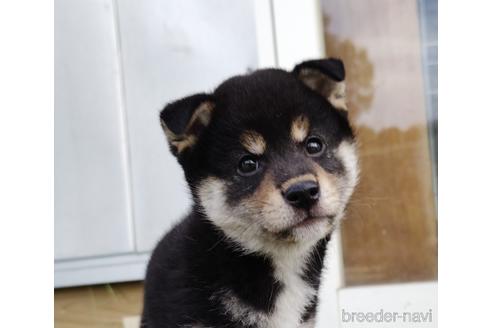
(270, 156)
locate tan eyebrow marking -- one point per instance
(300, 128)
(253, 142)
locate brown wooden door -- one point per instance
(390, 232)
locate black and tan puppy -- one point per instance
(271, 162)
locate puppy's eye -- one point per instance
(314, 146)
(248, 165)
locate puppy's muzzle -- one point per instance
(302, 194)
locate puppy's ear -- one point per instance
(325, 76)
(184, 120)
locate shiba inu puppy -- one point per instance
(271, 162)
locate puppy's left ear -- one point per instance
(184, 120)
(325, 76)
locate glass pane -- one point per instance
(390, 233)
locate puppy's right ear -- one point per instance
(184, 120)
(326, 77)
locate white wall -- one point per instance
(92, 206)
(171, 49)
(118, 189)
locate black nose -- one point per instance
(302, 194)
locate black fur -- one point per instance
(195, 260)
(333, 68)
(313, 274)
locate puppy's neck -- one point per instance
(285, 255)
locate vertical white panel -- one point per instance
(265, 34)
(333, 279)
(172, 49)
(92, 213)
(298, 31)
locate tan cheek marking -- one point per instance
(265, 190)
(268, 205)
(329, 179)
(253, 142)
(305, 177)
(300, 128)
(329, 186)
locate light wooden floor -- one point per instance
(97, 306)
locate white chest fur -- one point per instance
(295, 296)
(290, 303)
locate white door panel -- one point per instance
(92, 212)
(171, 49)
